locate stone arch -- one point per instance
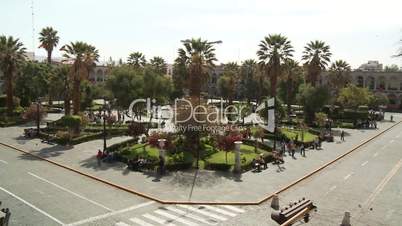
(392, 99)
(381, 83)
(371, 83)
(360, 81)
(393, 83)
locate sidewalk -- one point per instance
(183, 186)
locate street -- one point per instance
(367, 183)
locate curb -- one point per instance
(204, 203)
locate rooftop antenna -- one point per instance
(33, 27)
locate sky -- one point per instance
(357, 31)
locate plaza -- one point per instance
(200, 113)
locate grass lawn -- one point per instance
(291, 134)
(247, 153)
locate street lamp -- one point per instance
(38, 117)
(105, 108)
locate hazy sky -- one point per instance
(357, 31)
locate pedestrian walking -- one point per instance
(392, 118)
(293, 150)
(161, 165)
(342, 135)
(302, 150)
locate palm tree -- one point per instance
(158, 64)
(339, 75)
(274, 50)
(231, 73)
(291, 71)
(198, 56)
(83, 57)
(317, 56)
(248, 74)
(48, 40)
(136, 60)
(12, 53)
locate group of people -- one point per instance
(291, 147)
(140, 163)
(258, 162)
(105, 156)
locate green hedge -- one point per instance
(127, 143)
(218, 166)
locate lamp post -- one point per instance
(237, 168)
(38, 116)
(105, 108)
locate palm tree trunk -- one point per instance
(9, 91)
(289, 90)
(76, 96)
(49, 57)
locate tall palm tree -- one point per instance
(248, 74)
(339, 75)
(231, 75)
(316, 55)
(274, 50)
(48, 40)
(158, 64)
(199, 56)
(291, 71)
(12, 53)
(83, 57)
(136, 60)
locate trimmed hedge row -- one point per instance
(127, 143)
(74, 141)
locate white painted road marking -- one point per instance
(157, 219)
(32, 206)
(121, 224)
(332, 188)
(347, 176)
(203, 212)
(375, 154)
(234, 209)
(140, 222)
(103, 216)
(175, 218)
(364, 163)
(382, 184)
(2, 161)
(71, 192)
(391, 141)
(221, 211)
(189, 215)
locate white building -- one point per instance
(371, 65)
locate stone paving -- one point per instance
(190, 185)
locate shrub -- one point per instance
(136, 129)
(31, 114)
(3, 101)
(127, 143)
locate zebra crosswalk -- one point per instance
(188, 215)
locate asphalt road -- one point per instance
(367, 183)
(39, 193)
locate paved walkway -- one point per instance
(190, 185)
